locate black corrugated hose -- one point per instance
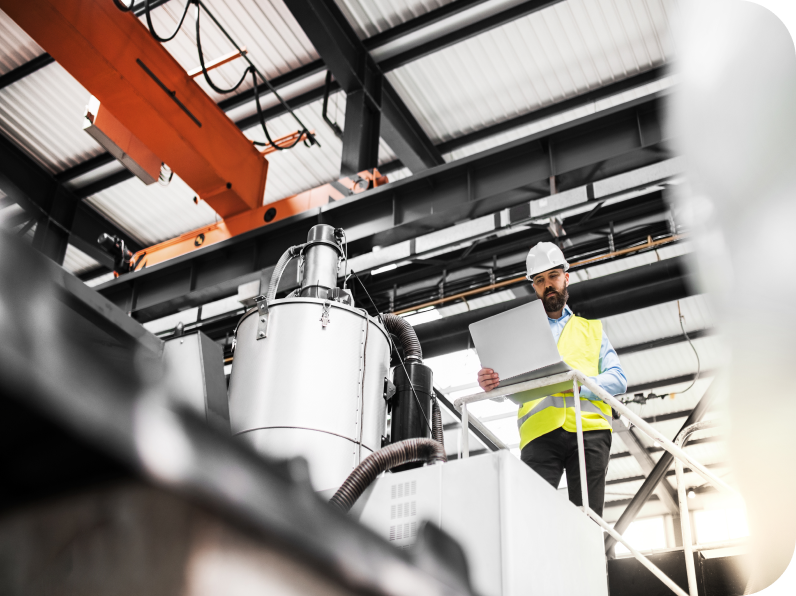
(406, 335)
(436, 426)
(403, 452)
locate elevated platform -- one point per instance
(520, 536)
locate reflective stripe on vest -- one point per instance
(579, 346)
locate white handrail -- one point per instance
(578, 377)
(685, 520)
(641, 558)
(640, 423)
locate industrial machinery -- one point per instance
(310, 375)
(518, 533)
(310, 378)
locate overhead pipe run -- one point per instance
(617, 293)
(650, 244)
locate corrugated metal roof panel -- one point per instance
(369, 17)
(544, 58)
(100, 279)
(43, 114)
(16, 46)
(302, 168)
(77, 262)
(681, 401)
(274, 41)
(674, 360)
(153, 213)
(662, 320)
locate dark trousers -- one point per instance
(551, 454)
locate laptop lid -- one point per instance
(518, 344)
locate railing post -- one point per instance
(465, 441)
(584, 490)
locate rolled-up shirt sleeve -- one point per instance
(611, 378)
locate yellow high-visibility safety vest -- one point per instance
(579, 346)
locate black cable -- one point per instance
(303, 129)
(305, 135)
(147, 11)
(202, 61)
(392, 346)
(261, 118)
(124, 7)
(690, 343)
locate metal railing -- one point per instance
(576, 377)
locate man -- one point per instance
(548, 438)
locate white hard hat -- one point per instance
(543, 257)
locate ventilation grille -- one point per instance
(403, 489)
(403, 530)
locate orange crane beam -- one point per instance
(257, 218)
(112, 54)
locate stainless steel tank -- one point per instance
(313, 387)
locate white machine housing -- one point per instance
(521, 536)
(311, 389)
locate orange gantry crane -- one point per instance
(146, 91)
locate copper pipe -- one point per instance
(515, 280)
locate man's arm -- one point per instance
(611, 378)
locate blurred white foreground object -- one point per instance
(736, 121)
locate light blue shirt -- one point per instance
(611, 377)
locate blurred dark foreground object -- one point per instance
(109, 489)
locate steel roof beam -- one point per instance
(592, 148)
(62, 217)
(375, 105)
(636, 448)
(20, 72)
(460, 34)
(617, 293)
(420, 22)
(423, 275)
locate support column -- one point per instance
(360, 135)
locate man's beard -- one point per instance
(554, 301)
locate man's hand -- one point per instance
(488, 379)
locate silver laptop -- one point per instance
(518, 345)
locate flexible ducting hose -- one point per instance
(403, 452)
(276, 276)
(436, 427)
(399, 327)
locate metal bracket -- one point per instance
(389, 390)
(262, 317)
(325, 315)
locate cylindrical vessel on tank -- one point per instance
(320, 257)
(311, 390)
(411, 405)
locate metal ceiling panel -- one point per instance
(561, 118)
(153, 213)
(546, 57)
(302, 168)
(369, 17)
(43, 115)
(655, 322)
(77, 262)
(674, 360)
(273, 39)
(680, 402)
(16, 46)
